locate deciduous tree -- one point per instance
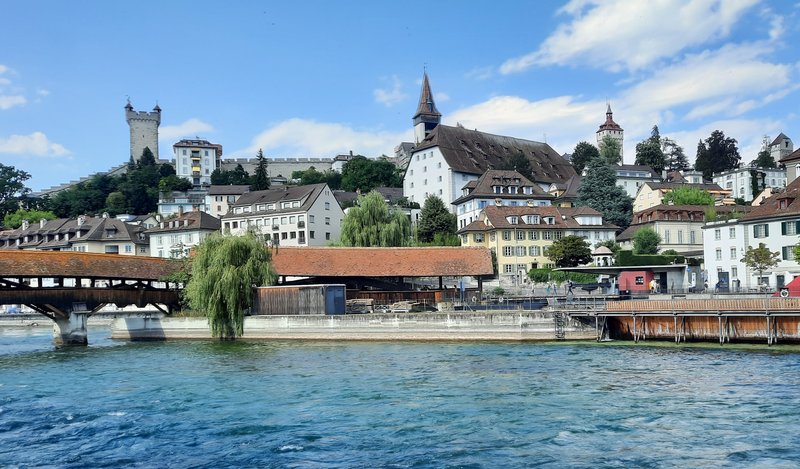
(569, 251)
(649, 153)
(583, 153)
(372, 223)
(14, 220)
(760, 259)
(716, 154)
(225, 269)
(364, 174)
(687, 196)
(646, 241)
(12, 188)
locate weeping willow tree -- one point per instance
(372, 223)
(224, 271)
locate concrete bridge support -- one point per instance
(71, 330)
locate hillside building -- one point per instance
(611, 129)
(175, 238)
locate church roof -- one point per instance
(474, 152)
(426, 105)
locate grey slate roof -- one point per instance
(228, 190)
(483, 186)
(190, 221)
(306, 195)
(474, 152)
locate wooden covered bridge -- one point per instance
(68, 287)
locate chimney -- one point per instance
(180, 210)
(25, 224)
(105, 214)
(161, 224)
(42, 222)
(81, 220)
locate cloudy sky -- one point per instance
(319, 78)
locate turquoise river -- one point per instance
(394, 404)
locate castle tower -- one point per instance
(427, 116)
(144, 130)
(610, 128)
(780, 147)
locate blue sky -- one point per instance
(319, 78)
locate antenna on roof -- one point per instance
(545, 137)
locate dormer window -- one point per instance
(512, 190)
(498, 189)
(513, 220)
(532, 219)
(549, 220)
(782, 203)
(527, 190)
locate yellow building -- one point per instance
(520, 236)
(651, 193)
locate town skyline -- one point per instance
(343, 78)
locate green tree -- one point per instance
(764, 158)
(225, 269)
(364, 174)
(519, 163)
(687, 196)
(312, 176)
(116, 203)
(174, 183)
(649, 153)
(646, 241)
(165, 170)
(610, 150)
(220, 177)
(610, 244)
(372, 223)
(760, 259)
(147, 159)
(239, 176)
(14, 220)
(261, 177)
(435, 219)
(599, 191)
(674, 157)
(718, 153)
(569, 251)
(12, 188)
(583, 153)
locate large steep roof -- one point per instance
(474, 152)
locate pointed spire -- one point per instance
(426, 104)
(129, 106)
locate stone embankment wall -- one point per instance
(515, 326)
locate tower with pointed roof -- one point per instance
(780, 147)
(144, 130)
(610, 128)
(427, 116)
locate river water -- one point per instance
(395, 405)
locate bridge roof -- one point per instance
(382, 262)
(81, 264)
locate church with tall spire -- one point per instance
(445, 159)
(427, 116)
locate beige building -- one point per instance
(520, 236)
(103, 235)
(220, 198)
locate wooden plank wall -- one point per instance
(712, 304)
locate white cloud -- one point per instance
(392, 96)
(9, 101)
(441, 97)
(35, 144)
(731, 73)
(480, 73)
(43, 92)
(190, 128)
(624, 34)
(308, 138)
(4, 69)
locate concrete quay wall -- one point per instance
(511, 326)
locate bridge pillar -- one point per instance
(71, 330)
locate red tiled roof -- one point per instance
(381, 262)
(80, 264)
(771, 207)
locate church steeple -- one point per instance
(427, 116)
(611, 129)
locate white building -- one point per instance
(174, 238)
(195, 160)
(290, 216)
(220, 198)
(501, 188)
(632, 176)
(177, 202)
(740, 181)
